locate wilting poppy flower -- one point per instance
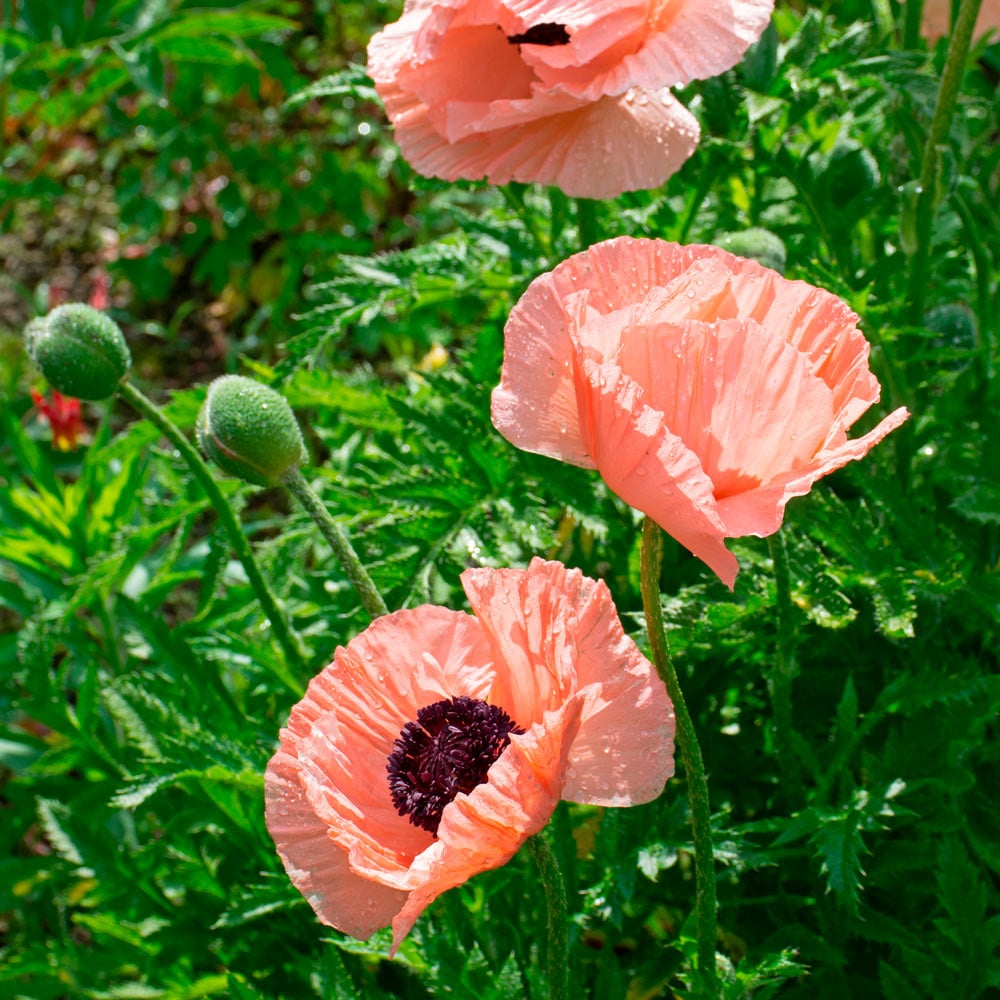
(63, 415)
(573, 93)
(437, 742)
(935, 19)
(706, 389)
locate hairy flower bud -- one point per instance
(80, 351)
(249, 430)
(756, 244)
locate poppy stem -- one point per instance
(782, 674)
(694, 765)
(288, 641)
(951, 80)
(588, 225)
(912, 13)
(557, 946)
(335, 535)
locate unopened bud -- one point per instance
(760, 245)
(249, 430)
(80, 351)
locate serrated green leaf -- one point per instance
(895, 607)
(52, 817)
(136, 730)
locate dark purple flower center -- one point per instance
(447, 750)
(542, 34)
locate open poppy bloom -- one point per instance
(706, 389)
(437, 742)
(63, 415)
(573, 93)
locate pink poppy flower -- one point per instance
(706, 389)
(935, 20)
(437, 742)
(573, 93)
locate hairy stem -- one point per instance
(784, 668)
(694, 766)
(286, 638)
(951, 79)
(557, 943)
(336, 537)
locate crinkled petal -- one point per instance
(535, 405)
(649, 467)
(760, 511)
(623, 753)
(597, 150)
(716, 285)
(676, 43)
(703, 39)
(340, 735)
(745, 402)
(315, 865)
(531, 628)
(815, 322)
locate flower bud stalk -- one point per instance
(289, 642)
(334, 534)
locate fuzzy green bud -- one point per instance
(80, 351)
(249, 430)
(760, 245)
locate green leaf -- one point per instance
(52, 817)
(198, 22)
(349, 82)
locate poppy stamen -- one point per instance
(448, 749)
(548, 33)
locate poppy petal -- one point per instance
(651, 45)
(534, 406)
(340, 735)
(730, 391)
(649, 467)
(760, 511)
(354, 905)
(558, 617)
(639, 139)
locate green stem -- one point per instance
(687, 742)
(557, 944)
(951, 80)
(882, 13)
(912, 12)
(289, 642)
(985, 331)
(784, 668)
(295, 483)
(706, 179)
(587, 223)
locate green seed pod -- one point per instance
(80, 351)
(759, 244)
(249, 430)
